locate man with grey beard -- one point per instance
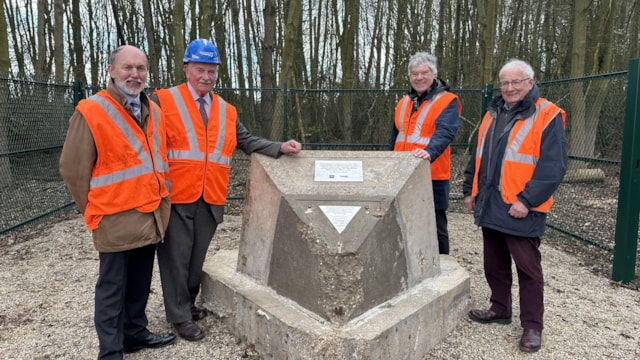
(114, 163)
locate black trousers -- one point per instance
(181, 256)
(121, 298)
(443, 231)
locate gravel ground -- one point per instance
(48, 272)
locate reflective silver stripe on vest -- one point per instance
(511, 154)
(161, 166)
(216, 156)
(405, 102)
(483, 137)
(415, 137)
(146, 166)
(194, 153)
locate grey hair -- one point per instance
(112, 56)
(423, 58)
(521, 65)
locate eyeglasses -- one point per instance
(422, 73)
(514, 83)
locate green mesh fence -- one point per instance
(34, 117)
(33, 123)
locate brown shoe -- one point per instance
(189, 330)
(531, 340)
(198, 313)
(488, 316)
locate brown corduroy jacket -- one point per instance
(118, 232)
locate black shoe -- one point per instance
(150, 341)
(189, 330)
(198, 313)
(488, 316)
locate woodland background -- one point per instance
(331, 44)
(326, 72)
(320, 44)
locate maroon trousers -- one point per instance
(499, 249)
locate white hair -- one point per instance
(521, 65)
(423, 58)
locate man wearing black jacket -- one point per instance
(426, 121)
(518, 162)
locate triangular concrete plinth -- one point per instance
(338, 255)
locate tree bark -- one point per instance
(487, 21)
(153, 44)
(58, 41)
(6, 175)
(79, 73)
(266, 67)
(41, 54)
(177, 27)
(288, 75)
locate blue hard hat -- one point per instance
(201, 50)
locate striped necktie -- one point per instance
(203, 111)
(135, 108)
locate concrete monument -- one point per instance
(338, 258)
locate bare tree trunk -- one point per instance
(219, 31)
(399, 66)
(4, 43)
(266, 66)
(347, 44)
(178, 40)
(600, 63)
(195, 19)
(78, 46)
(93, 55)
(206, 15)
(6, 175)
(13, 19)
(487, 20)
(58, 40)
(288, 76)
(153, 43)
(376, 42)
(41, 54)
(116, 20)
(579, 131)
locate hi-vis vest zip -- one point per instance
(199, 158)
(131, 166)
(415, 131)
(522, 153)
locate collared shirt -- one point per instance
(207, 98)
(131, 99)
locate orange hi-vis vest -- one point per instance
(131, 167)
(415, 131)
(199, 158)
(522, 153)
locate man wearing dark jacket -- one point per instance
(203, 130)
(426, 121)
(518, 162)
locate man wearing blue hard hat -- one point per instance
(202, 131)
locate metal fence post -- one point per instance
(624, 251)
(78, 94)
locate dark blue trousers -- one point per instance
(499, 249)
(121, 298)
(442, 231)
